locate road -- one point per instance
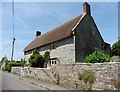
(11, 83)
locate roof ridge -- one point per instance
(79, 21)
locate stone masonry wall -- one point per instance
(104, 73)
(87, 38)
(65, 46)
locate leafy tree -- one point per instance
(36, 60)
(97, 57)
(116, 48)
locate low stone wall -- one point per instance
(106, 74)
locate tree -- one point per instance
(116, 48)
(36, 60)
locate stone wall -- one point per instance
(65, 46)
(87, 38)
(67, 74)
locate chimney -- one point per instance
(86, 8)
(38, 33)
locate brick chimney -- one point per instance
(86, 8)
(38, 33)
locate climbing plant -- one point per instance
(46, 58)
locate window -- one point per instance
(55, 62)
(53, 46)
(50, 47)
(27, 52)
(52, 62)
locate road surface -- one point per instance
(11, 83)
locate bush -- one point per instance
(10, 64)
(116, 49)
(36, 60)
(97, 57)
(87, 76)
(8, 67)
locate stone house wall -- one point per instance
(87, 38)
(63, 50)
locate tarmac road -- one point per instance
(11, 83)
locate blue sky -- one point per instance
(30, 17)
(119, 20)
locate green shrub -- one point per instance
(8, 67)
(116, 48)
(87, 76)
(10, 64)
(97, 57)
(36, 60)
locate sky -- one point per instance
(119, 20)
(45, 16)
